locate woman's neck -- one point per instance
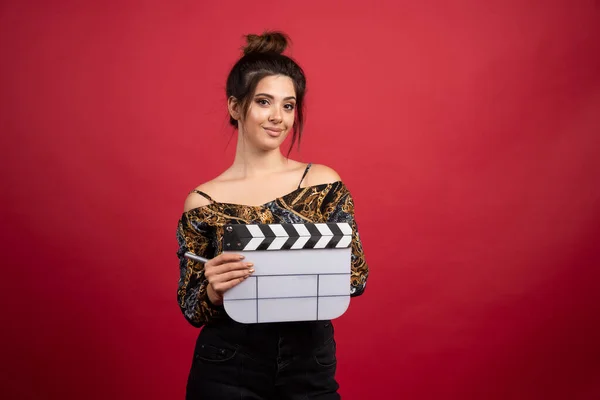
(251, 162)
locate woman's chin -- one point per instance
(267, 149)
(271, 144)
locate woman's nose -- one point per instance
(275, 115)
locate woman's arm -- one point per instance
(339, 207)
(193, 234)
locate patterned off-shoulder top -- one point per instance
(200, 231)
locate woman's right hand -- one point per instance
(224, 272)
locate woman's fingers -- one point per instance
(221, 269)
(226, 258)
(229, 280)
(226, 271)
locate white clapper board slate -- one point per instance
(302, 271)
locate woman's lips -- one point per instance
(274, 132)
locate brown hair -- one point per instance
(263, 57)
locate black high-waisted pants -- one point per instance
(279, 361)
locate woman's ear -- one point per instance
(234, 108)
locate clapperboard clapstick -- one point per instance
(287, 236)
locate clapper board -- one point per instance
(302, 271)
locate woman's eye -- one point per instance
(289, 106)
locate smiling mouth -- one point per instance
(273, 132)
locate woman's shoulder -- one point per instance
(199, 197)
(320, 174)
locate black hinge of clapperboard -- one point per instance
(235, 237)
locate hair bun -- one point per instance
(268, 42)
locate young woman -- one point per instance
(285, 360)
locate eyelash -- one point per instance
(259, 101)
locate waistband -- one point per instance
(268, 337)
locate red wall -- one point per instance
(469, 133)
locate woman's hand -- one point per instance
(224, 272)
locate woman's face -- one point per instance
(271, 113)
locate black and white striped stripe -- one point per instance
(250, 237)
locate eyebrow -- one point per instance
(272, 98)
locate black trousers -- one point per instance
(279, 361)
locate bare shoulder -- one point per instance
(321, 174)
(195, 199)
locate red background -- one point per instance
(467, 132)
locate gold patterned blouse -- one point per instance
(200, 231)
